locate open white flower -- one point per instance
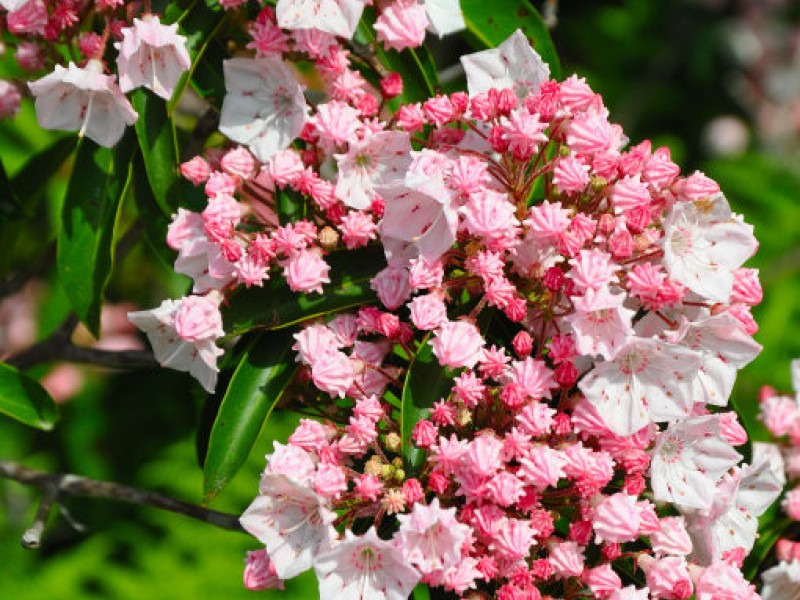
(725, 347)
(364, 567)
(704, 243)
(782, 582)
(647, 381)
(292, 521)
(195, 354)
(732, 521)
(151, 55)
(338, 17)
(378, 159)
(688, 459)
(445, 16)
(264, 108)
(513, 64)
(83, 100)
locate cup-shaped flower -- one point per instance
(292, 521)
(83, 100)
(264, 107)
(364, 567)
(151, 55)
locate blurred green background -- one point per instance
(716, 81)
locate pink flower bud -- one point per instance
(198, 319)
(259, 572)
(392, 85)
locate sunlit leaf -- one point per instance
(24, 399)
(257, 385)
(85, 239)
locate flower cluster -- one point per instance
(85, 98)
(577, 309)
(781, 415)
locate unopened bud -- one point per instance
(374, 467)
(328, 238)
(399, 475)
(598, 183)
(397, 463)
(387, 471)
(393, 442)
(464, 416)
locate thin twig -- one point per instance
(59, 347)
(57, 485)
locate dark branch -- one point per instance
(55, 485)
(59, 347)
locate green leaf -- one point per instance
(275, 306)
(24, 399)
(34, 175)
(156, 134)
(415, 66)
(291, 205)
(85, 239)
(257, 385)
(488, 25)
(767, 537)
(426, 382)
(151, 213)
(200, 22)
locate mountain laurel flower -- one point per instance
(83, 100)
(152, 55)
(402, 25)
(264, 107)
(513, 64)
(337, 17)
(198, 352)
(292, 521)
(444, 16)
(306, 271)
(458, 344)
(259, 572)
(364, 566)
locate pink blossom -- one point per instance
(567, 559)
(198, 319)
(402, 25)
(602, 580)
(617, 519)
(335, 123)
(391, 285)
(571, 174)
(430, 537)
(523, 131)
(306, 271)
(333, 374)
(721, 581)
(601, 325)
(28, 17)
(458, 344)
(259, 572)
(428, 312)
(9, 99)
(490, 215)
(592, 269)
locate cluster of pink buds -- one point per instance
(781, 415)
(577, 448)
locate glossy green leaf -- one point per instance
(426, 382)
(488, 25)
(151, 213)
(275, 306)
(199, 22)
(24, 399)
(156, 134)
(291, 205)
(85, 239)
(257, 385)
(415, 66)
